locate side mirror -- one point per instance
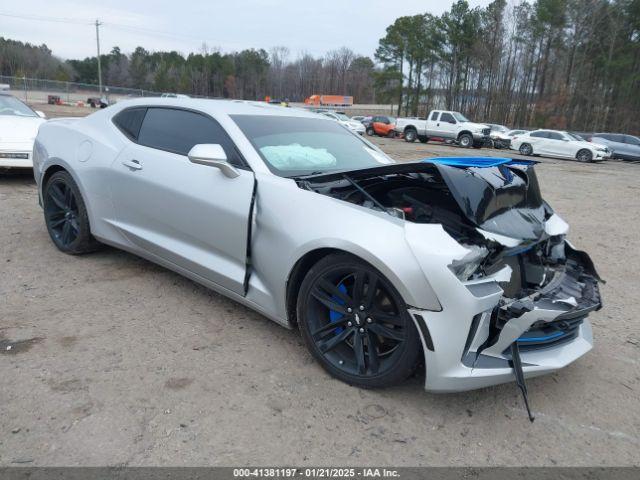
(212, 155)
(40, 114)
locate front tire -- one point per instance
(65, 215)
(370, 131)
(356, 324)
(584, 155)
(465, 140)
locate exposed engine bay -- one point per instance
(495, 212)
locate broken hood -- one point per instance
(499, 196)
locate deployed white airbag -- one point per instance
(296, 157)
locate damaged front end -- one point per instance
(516, 295)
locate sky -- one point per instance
(229, 25)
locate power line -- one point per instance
(131, 28)
(43, 18)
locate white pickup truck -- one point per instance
(445, 125)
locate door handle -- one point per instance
(438, 124)
(132, 164)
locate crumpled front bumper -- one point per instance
(467, 344)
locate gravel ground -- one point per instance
(116, 361)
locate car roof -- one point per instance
(219, 106)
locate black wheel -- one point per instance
(465, 140)
(477, 145)
(526, 149)
(370, 131)
(391, 134)
(584, 155)
(410, 135)
(65, 215)
(423, 139)
(355, 323)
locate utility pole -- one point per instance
(99, 66)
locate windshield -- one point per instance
(12, 106)
(498, 128)
(295, 146)
(343, 117)
(459, 117)
(573, 136)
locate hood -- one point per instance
(15, 129)
(476, 126)
(500, 135)
(500, 198)
(598, 146)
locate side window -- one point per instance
(178, 131)
(631, 140)
(129, 121)
(538, 134)
(434, 116)
(447, 117)
(555, 136)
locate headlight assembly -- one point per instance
(465, 267)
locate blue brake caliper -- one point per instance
(333, 315)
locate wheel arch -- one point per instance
(55, 165)
(468, 132)
(410, 127)
(297, 274)
(404, 274)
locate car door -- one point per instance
(539, 142)
(631, 146)
(190, 215)
(447, 125)
(542, 143)
(560, 145)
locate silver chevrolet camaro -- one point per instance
(457, 263)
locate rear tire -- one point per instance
(584, 155)
(370, 131)
(65, 215)
(423, 139)
(526, 149)
(356, 324)
(410, 135)
(465, 140)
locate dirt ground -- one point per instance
(116, 361)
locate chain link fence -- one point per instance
(35, 90)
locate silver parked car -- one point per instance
(625, 147)
(378, 263)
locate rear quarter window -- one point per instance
(129, 121)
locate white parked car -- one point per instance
(18, 129)
(555, 143)
(350, 123)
